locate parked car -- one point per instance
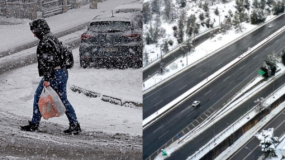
(196, 103)
(113, 41)
(129, 8)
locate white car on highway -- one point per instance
(196, 103)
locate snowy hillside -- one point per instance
(168, 23)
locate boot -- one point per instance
(31, 127)
(73, 129)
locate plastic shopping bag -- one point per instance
(50, 104)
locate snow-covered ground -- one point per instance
(201, 51)
(227, 109)
(18, 86)
(192, 7)
(17, 35)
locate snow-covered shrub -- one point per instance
(268, 143)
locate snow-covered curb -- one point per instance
(160, 81)
(106, 98)
(173, 104)
(209, 122)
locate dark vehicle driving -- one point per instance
(112, 42)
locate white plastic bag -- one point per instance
(50, 104)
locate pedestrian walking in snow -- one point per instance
(53, 70)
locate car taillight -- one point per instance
(85, 36)
(132, 36)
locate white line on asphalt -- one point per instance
(190, 114)
(271, 121)
(220, 63)
(213, 96)
(231, 82)
(226, 78)
(183, 87)
(241, 67)
(258, 145)
(207, 92)
(203, 74)
(179, 83)
(163, 134)
(232, 89)
(155, 98)
(158, 128)
(158, 102)
(255, 57)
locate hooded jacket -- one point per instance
(48, 50)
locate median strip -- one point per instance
(173, 104)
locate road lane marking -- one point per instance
(231, 82)
(158, 103)
(203, 74)
(155, 98)
(207, 92)
(208, 112)
(190, 114)
(163, 134)
(241, 67)
(212, 109)
(255, 57)
(183, 87)
(226, 78)
(179, 83)
(213, 96)
(158, 128)
(220, 63)
(188, 128)
(197, 121)
(193, 125)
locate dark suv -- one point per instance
(112, 41)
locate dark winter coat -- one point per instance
(48, 51)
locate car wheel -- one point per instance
(100, 63)
(83, 64)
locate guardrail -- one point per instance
(202, 59)
(177, 47)
(187, 128)
(232, 125)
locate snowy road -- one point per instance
(99, 120)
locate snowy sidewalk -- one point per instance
(13, 36)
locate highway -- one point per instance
(222, 124)
(177, 53)
(173, 88)
(212, 96)
(251, 149)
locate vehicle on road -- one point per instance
(270, 26)
(113, 41)
(196, 103)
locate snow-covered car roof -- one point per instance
(127, 8)
(115, 17)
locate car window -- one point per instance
(110, 26)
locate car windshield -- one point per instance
(110, 26)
